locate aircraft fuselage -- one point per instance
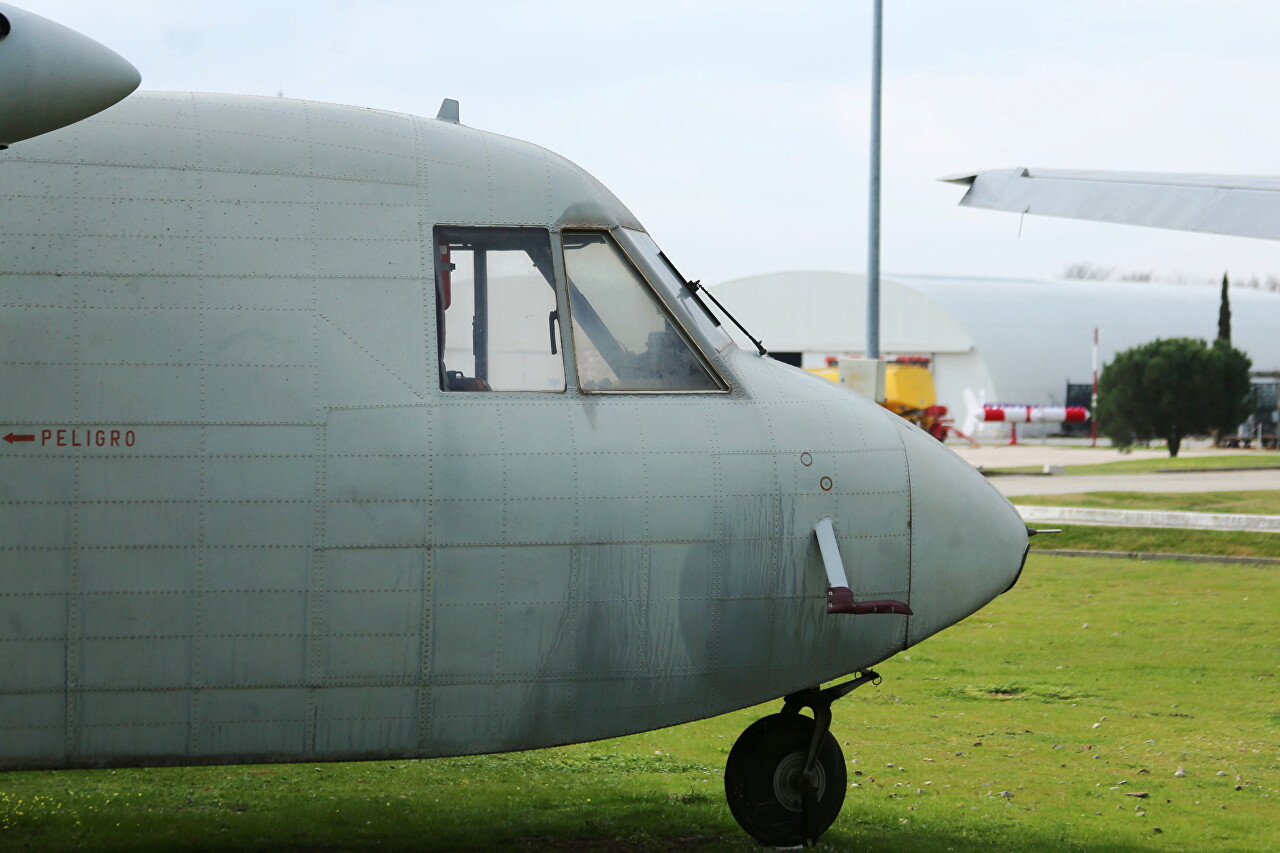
(260, 519)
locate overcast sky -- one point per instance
(737, 131)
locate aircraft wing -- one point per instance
(1217, 204)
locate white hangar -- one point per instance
(993, 340)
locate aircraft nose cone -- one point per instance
(967, 542)
(53, 76)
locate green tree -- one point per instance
(1173, 388)
(1232, 399)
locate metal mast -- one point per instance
(873, 231)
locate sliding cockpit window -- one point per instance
(497, 324)
(623, 340)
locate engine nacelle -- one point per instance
(53, 76)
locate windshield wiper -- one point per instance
(695, 289)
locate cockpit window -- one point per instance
(623, 340)
(684, 301)
(497, 322)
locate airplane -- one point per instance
(334, 434)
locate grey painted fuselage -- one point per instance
(250, 525)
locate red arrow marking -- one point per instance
(11, 438)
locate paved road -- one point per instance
(1217, 481)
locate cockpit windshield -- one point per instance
(671, 285)
(623, 339)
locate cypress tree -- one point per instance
(1224, 313)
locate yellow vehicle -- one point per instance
(908, 391)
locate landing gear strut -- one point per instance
(785, 779)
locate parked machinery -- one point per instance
(903, 385)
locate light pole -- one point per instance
(873, 229)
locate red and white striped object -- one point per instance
(1035, 414)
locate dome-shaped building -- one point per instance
(993, 340)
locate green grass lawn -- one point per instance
(1025, 727)
(1255, 503)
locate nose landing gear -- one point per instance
(785, 778)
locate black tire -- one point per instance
(763, 786)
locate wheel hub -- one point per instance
(789, 782)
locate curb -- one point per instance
(1138, 555)
(1216, 470)
(1151, 518)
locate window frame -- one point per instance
(556, 270)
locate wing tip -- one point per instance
(968, 178)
